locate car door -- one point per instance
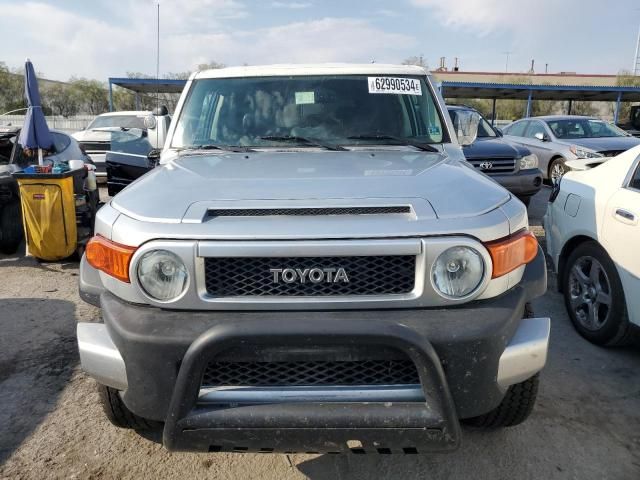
(621, 235)
(542, 148)
(128, 158)
(515, 132)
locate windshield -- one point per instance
(328, 110)
(119, 121)
(584, 128)
(484, 128)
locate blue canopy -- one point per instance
(35, 132)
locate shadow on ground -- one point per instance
(38, 353)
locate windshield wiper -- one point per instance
(308, 141)
(399, 140)
(217, 146)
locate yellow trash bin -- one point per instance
(49, 213)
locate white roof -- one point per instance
(311, 69)
(131, 113)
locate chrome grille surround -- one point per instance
(425, 250)
(498, 165)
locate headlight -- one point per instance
(583, 152)
(162, 275)
(529, 161)
(458, 272)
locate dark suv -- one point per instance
(512, 166)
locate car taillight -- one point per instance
(110, 257)
(512, 252)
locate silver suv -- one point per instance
(314, 267)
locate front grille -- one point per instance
(95, 146)
(498, 165)
(262, 212)
(314, 373)
(256, 276)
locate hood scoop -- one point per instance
(307, 211)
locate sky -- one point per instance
(107, 38)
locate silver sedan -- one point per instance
(556, 139)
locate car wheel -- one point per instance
(118, 413)
(515, 408)
(525, 200)
(556, 170)
(11, 232)
(517, 404)
(594, 296)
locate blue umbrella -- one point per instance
(35, 132)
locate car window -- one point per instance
(60, 142)
(635, 180)
(535, 128)
(584, 128)
(115, 121)
(484, 127)
(516, 129)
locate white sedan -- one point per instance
(593, 238)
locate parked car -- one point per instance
(96, 138)
(558, 138)
(13, 160)
(512, 166)
(313, 266)
(632, 123)
(592, 237)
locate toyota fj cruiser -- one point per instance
(314, 267)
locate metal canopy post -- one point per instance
(528, 114)
(110, 96)
(137, 101)
(570, 107)
(493, 113)
(616, 113)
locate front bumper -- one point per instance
(466, 357)
(524, 183)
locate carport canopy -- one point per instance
(570, 93)
(145, 86)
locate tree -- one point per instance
(91, 95)
(11, 89)
(418, 60)
(61, 99)
(212, 65)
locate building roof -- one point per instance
(149, 85)
(518, 91)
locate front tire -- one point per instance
(525, 200)
(11, 231)
(594, 297)
(557, 169)
(118, 413)
(517, 404)
(515, 408)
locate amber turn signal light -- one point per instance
(110, 257)
(512, 252)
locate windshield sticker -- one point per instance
(394, 85)
(305, 98)
(433, 130)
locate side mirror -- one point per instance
(153, 157)
(466, 126)
(543, 137)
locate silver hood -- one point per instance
(173, 192)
